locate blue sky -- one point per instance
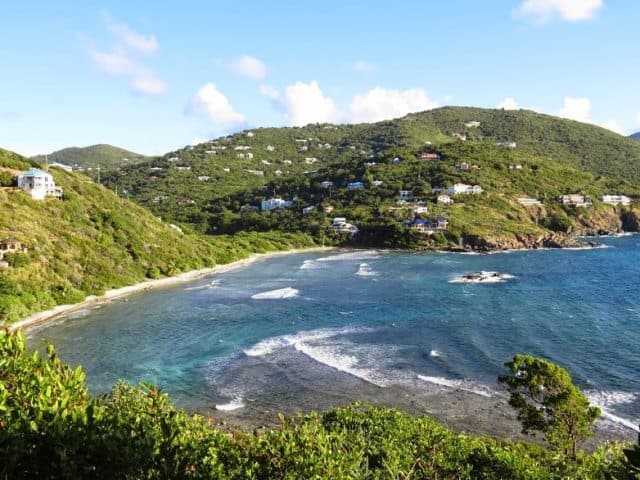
(152, 77)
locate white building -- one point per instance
(274, 204)
(528, 202)
(444, 199)
(326, 184)
(341, 225)
(472, 124)
(507, 144)
(464, 189)
(39, 184)
(576, 200)
(616, 199)
(308, 210)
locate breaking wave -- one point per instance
(278, 294)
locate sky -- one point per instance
(152, 77)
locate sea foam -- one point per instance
(278, 294)
(364, 270)
(234, 404)
(357, 255)
(458, 385)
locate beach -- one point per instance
(147, 285)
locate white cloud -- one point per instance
(119, 59)
(361, 66)
(508, 103)
(118, 63)
(569, 10)
(269, 91)
(614, 126)
(129, 37)
(576, 109)
(210, 101)
(382, 104)
(247, 66)
(304, 103)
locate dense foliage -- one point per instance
(103, 156)
(51, 428)
(547, 401)
(217, 186)
(92, 241)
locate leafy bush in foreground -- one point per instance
(51, 428)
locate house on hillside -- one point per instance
(326, 184)
(308, 210)
(472, 124)
(270, 148)
(507, 144)
(616, 199)
(444, 199)
(405, 194)
(576, 200)
(515, 166)
(460, 136)
(429, 226)
(328, 208)
(39, 184)
(429, 156)
(464, 189)
(11, 245)
(274, 204)
(462, 165)
(255, 172)
(355, 185)
(529, 202)
(341, 225)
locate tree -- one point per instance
(547, 401)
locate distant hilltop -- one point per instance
(102, 155)
(635, 136)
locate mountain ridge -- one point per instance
(99, 155)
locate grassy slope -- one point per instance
(92, 241)
(105, 156)
(559, 156)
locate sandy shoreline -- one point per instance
(92, 300)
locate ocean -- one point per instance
(315, 330)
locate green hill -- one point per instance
(217, 186)
(91, 240)
(103, 156)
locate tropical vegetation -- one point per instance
(50, 427)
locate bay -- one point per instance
(315, 330)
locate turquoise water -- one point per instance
(289, 332)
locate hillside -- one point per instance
(218, 186)
(103, 156)
(635, 136)
(91, 240)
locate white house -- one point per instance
(472, 124)
(327, 184)
(462, 165)
(444, 199)
(616, 199)
(464, 189)
(341, 225)
(255, 172)
(203, 178)
(308, 210)
(270, 148)
(377, 183)
(576, 200)
(275, 204)
(507, 144)
(528, 202)
(39, 184)
(310, 160)
(250, 134)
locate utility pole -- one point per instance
(98, 173)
